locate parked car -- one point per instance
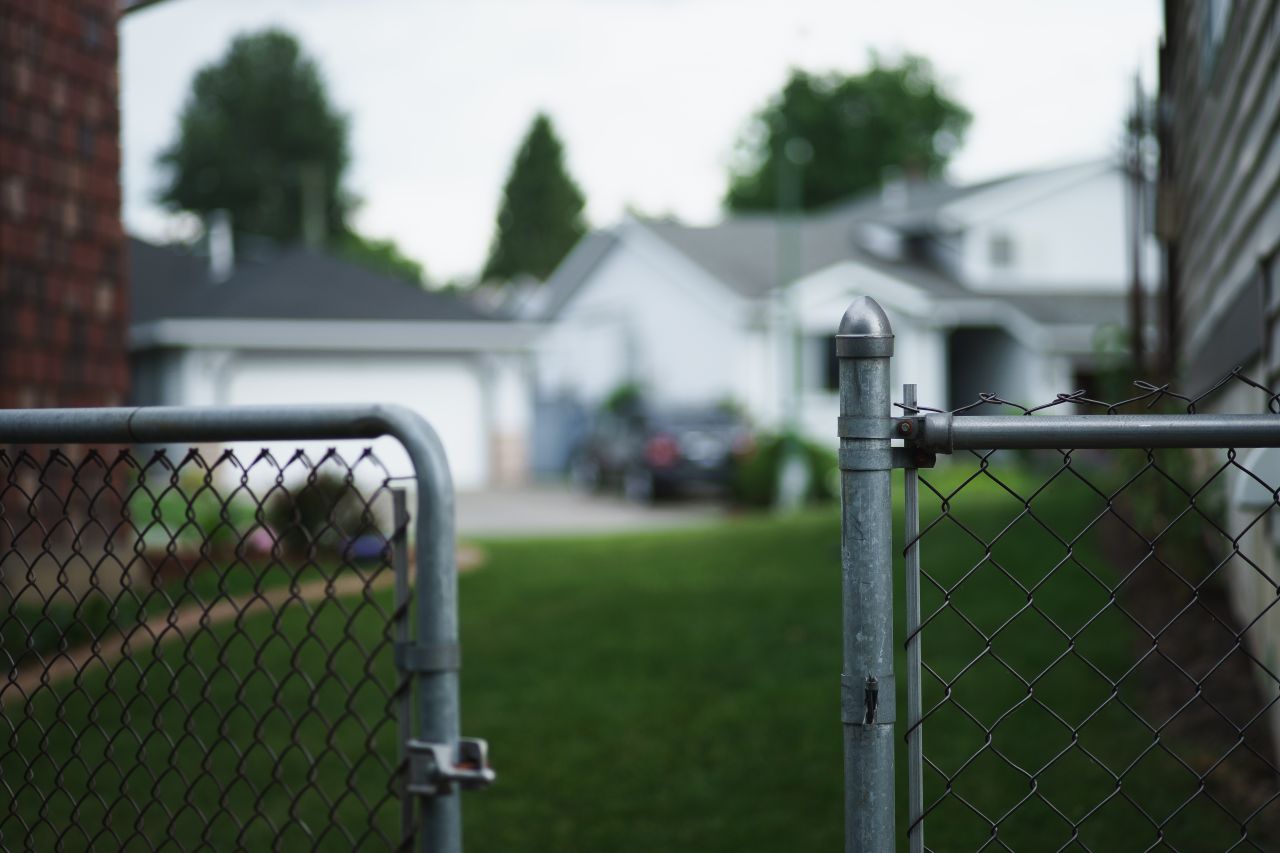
(654, 453)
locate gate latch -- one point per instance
(435, 768)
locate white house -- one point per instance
(997, 287)
(298, 326)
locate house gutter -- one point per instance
(327, 335)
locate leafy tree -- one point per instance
(826, 137)
(256, 136)
(259, 138)
(382, 256)
(541, 218)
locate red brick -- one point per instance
(62, 292)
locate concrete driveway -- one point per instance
(552, 510)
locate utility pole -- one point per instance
(793, 473)
(1135, 169)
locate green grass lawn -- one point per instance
(673, 691)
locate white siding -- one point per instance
(1060, 237)
(919, 346)
(647, 317)
(447, 391)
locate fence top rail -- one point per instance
(152, 424)
(944, 433)
(435, 585)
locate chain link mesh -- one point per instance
(196, 650)
(1100, 638)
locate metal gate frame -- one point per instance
(438, 762)
(864, 347)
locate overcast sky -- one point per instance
(648, 95)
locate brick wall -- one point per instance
(63, 284)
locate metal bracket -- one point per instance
(864, 346)
(884, 459)
(909, 429)
(869, 700)
(414, 657)
(936, 431)
(435, 769)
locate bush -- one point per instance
(27, 630)
(189, 512)
(755, 476)
(325, 511)
(624, 399)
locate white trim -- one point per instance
(944, 312)
(651, 246)
(355, 335)
(1014, 194)
(833, 281)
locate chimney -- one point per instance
(314, 215)
(222, 247)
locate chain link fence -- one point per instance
(1099, 645)
(198, 649)
(216, 645)
(1089, 593)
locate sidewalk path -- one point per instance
(186, 620)
(551, 510)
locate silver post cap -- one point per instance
(864, 331)
(865, 318)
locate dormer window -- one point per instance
(1001, 250)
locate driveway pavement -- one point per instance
(545, 510)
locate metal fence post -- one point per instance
(436, 598)
(864, 345)
(402, 632)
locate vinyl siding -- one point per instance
(1222, 164)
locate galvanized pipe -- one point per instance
(915, 734)
(944, 432)
(864, 344)
(436, 585)
(402, 630)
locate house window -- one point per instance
(1001, 250)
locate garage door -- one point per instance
(446, 391)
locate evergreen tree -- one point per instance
(541, 218)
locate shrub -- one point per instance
(189, 512)
(325, 511)
(755, 476)
(623, 399)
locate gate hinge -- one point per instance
(421, 657)
(436, 768)
(885, 458)
(913, 457)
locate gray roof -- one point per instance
(170, 282)
(1074, 308)
(581, 261)
(743, 252)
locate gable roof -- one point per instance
(578, 265)
(744, 252)
(170, 282)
